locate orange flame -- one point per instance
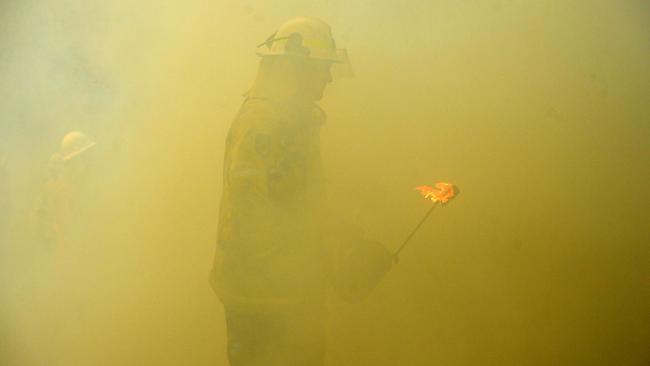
(442, 192)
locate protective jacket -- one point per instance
(52, 211)
(270, 248)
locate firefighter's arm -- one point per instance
(247, 173)
(251, 157)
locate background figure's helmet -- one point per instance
(73, 144)
(306, 37)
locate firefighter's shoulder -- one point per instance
(258, 113)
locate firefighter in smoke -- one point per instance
(272, 268)
(67, 172)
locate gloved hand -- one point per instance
(361, 270)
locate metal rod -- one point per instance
(408, 238)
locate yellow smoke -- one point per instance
(537, 110)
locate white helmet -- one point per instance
(73, 144)
(304, 37)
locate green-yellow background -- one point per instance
(538, 110)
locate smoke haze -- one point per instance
(538, 111)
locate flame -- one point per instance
(442, 192)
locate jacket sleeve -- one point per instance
(248, 165)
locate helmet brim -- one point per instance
(338, 56)
(78, 152)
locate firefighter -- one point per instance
(272, 267)
(67, 171)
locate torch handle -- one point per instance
(408, 238)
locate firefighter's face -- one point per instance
(313, 77)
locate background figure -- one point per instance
(272, 267)
(67, 174)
